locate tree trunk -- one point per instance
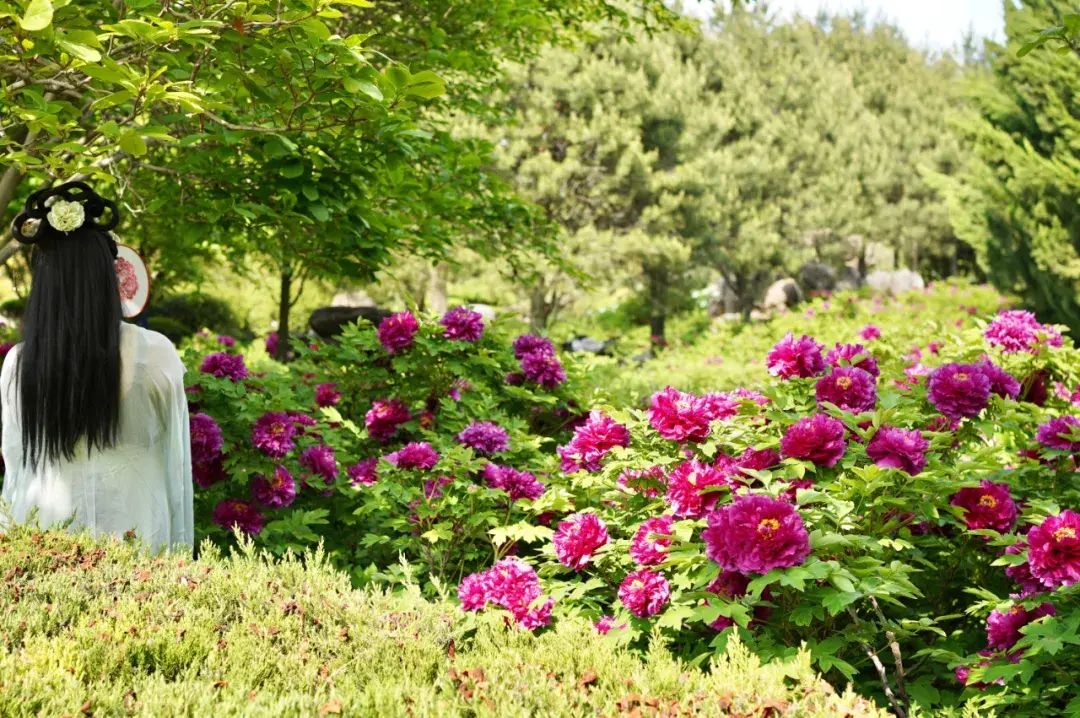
(657, 283)
(539, 307)
(436, 294)
(284, 305)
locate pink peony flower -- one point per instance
(578, 538)
(518, 484)
(694, 488)
(232, 513)
(681, 417)
(486, 438)
(512, 584)
(1003, 629)
(647, 551)
(364, 473)
(819, 439)
(271, 344)
(899, 449)
(855, 355)
(327, 395)
(397, 331)
(225, 366)
(604, 624)
(226, 341)
(795, 358)
(543, 369)
(1054, 550)
(647, 482)
(1021, 573)
(959, 390)
(1001, 382)
(273, 434)
(277, 492)
(206, 439)
(757, 459)
(870, 332)
(644, 592)
(849, 388)
(385, 417)
(208, 473)
(591, 443)
(320, 460)
(755, 535)
(990, 506)
(417, 455)
(1019, 331)
(473, 592)
(463, 324)
(1061, 433)
(527, 344)
(963, 672)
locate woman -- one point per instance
(95, 422)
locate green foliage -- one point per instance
(1015, 203)
(189, 313)
(101, 628)
(171, 328)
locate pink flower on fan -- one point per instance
(578, 538)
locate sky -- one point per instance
(935, 24)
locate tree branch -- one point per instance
(872, 655)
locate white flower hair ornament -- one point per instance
(63, 209)
(66, 216)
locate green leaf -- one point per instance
(425, 84)
(83, 52)
(354, 86)
(38, 16)
(398, 76)
(293, 170)
(319, 212)
(316, 29)
(133, 144)
(310, 191)
(116, 98)
(355, 3)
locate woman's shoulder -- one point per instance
(155, 350)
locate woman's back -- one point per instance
(142, 483)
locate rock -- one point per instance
(721, 298)
(782, 294)
(352, 299)
(589, 345)
(897, 282)
(327, 322)
(488, 313)
(817, 277)
(848, 280)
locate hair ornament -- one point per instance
(65, 208)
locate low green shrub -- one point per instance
(92, 628)
(174, 330)
(197, 311)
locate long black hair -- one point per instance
(69, 365)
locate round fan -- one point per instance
(133, 281)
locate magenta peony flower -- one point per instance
(528, 344)
(397, 331)
(385, 417)
(795, 358)
(485, 438)
(327, 395)
(682, 417)
(1001, 382)
(473, 592)
(273, 434)
(791, 494)
(647, 482)
(271, 344)
(417, 455)
(1054, 550)
(276, 492)
(1003, 629)
(604, 624)
(578, 538)
(855, 355)
(1021, 573)
(715, 406)
(232, 513)
(206, 439)
(959, 390)
(364, 473)
(694, 488)
(543, 369)
(1061, 433)
(463, 324)
(870, 332)
(225, 366)
(5, 349)
(512, 584)
(902, 449)
(990, 506)
(514, 378)
(208, 473)
(226, 341)
(320, 460)
(1019, 331)
(849, 388)
(644, 592)
(518, 484)
(757, 459)
(819, 439)
(755, 535)
(963, 672)
(591, 443)
(647, 551)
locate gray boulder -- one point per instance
(895, 282)
(589, 345)
(782, 294)
(817, 277)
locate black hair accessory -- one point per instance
(94, 206)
